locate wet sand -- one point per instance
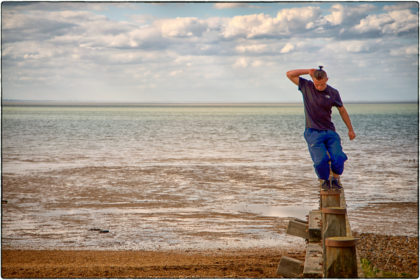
(172, 207)
(397, 254)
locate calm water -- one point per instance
(194, 177)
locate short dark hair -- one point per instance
(320, 74)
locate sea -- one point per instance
(194, 176)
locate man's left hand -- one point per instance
(352, 135)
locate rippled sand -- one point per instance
(138, 211)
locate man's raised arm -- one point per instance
(293, 75)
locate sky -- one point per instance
(207, 52)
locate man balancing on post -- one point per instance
(323, 141)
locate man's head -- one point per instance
(320, 79)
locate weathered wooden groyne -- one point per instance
(330, 248)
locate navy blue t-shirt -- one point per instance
(318, 105)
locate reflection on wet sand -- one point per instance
(185, 208)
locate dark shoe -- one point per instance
(336, 184)
(326, 185)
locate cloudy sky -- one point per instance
(206, 52)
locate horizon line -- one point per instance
(28, 102)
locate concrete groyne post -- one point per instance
(340, 257)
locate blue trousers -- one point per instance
(319, 143)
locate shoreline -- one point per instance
(391, 254)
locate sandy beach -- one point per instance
(259, 263)
(193, 192)
(396, 254)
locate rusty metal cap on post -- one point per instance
(340, 242)
(334, 210)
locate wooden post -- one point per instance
(341, 260)
(290, 267)
(313, 261)
(297, 228)
(314, 226)
(330, 198)
(333, 224)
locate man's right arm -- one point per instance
(294, 75)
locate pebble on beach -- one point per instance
(396, 254)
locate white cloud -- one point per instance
(408, 50)
(182, 27)
(231, 5)
(402, 6)
(262, 25)
(257, 63)
(44, 50)
(373, 23)
(402, 21)
(287, 48)
(244, 62)
(393, 22)
(241, 62)
(298, 20)
(350, 46)
(176, 72)
(246, 26)
(252, 48)
(298, 15)
(344, 14)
